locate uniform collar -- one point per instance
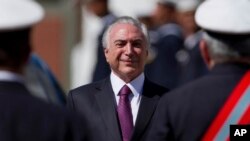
(10, 76)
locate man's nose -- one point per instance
(129, 48)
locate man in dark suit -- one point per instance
(126, 48)
(22, 116)
(196, 111)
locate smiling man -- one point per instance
(120, 107)
(126, 51)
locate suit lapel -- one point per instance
(106, 101)
(146, 110)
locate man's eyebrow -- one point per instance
(137, 40)
(119, 40)
(133, 40)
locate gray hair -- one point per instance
(125, 20)
(225, 50)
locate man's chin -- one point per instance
(130, 72)
(129, 69)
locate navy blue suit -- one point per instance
(186, 113)
(193, 66)
(164, 69)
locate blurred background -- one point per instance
(67, 39)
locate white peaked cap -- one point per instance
(15, 14)
(224, 16)
(145, 10)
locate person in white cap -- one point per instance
(100, 8)
(205, 108)
(22, 116)
(164, 68)
(189, 58)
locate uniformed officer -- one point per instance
(22, 116)
(204, 109)
(189, 58)
(164, 69)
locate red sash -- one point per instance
(236, 110)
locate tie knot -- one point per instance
(125, 90)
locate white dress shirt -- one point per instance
(135, 86)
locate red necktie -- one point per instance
(125, 114)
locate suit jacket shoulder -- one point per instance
(85, 94)
(96, 103)
(153, 89)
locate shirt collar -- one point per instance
(135, 85)
(11, 77)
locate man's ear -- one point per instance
(205, 54)
(106, 51)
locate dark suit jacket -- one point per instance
(25, 118)
(186, 113)
(96, 103)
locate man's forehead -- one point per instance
(123, 29)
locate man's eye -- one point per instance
(120, 44)
(136, 44)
